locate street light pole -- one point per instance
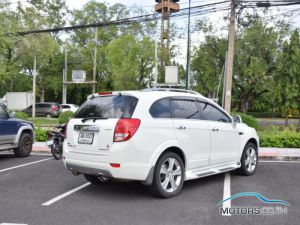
(95, 61)
(34, 84)
(65, 75)
(188, 50)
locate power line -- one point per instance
(130, 20)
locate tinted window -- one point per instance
(161, 108)
(210, 112)
(65, 106)
(184, 109)
(112, 106)
(3, 114)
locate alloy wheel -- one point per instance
(170, 175)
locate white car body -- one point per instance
(207, 147)
(69, 107)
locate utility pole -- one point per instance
(155, 64)
(34, 85)
(95, 61)
(65, 75)
(188, 50)
(229, 64)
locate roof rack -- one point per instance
(173, 90)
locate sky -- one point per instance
(196, 37)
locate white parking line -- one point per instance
(50, 202)
(22, 165)
(13, 224)
(226, 194)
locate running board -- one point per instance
(7, 147)
(207, 171)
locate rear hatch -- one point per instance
(92, 128)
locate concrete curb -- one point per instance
(279, 158)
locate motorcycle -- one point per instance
(55, 141)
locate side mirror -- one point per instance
(237, 119)
(12, 114)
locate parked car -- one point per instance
(161, 137)
(48, 109)
(3, 105)
(69, 107)
(15, 134)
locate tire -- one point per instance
(48, 115)
(25, 146)
(97, 180)
(168, 176)
(249, 160)
(56, 150)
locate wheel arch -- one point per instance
(172, 146)
(253, 141)
(22, 130)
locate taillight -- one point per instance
(55, 107)
(125, 129)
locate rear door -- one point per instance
(92, 129)
(224, 136)
(191, 132)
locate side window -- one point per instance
(161, 108)
(184, 109)
(3, 114)
(210, 112)
(65, 106)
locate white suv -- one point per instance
(161, 137)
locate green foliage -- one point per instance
(21, 115)
(275, 137)
(65, 116)
(249, 120)
(43, 121)
(40, 134)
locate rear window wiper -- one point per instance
(93, 118)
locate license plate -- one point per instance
(85, 138)
(50, 142)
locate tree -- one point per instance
(288, 76)
(131, 62)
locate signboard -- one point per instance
(171, 75)
(78, 76)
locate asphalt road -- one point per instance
(25, 189)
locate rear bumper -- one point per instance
(133, 163)
(127, 172)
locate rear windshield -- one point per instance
(112, 106)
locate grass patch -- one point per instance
(43, 121)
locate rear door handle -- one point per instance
(215, 129)
(181, 127)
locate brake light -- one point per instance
(125, 129)
(55, 107)
(105, 93)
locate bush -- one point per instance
(280, 138)
(264, 114)
(40, 134)
(21, 115)
(249, 120)
(65, 116)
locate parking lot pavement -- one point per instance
(25, 189)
